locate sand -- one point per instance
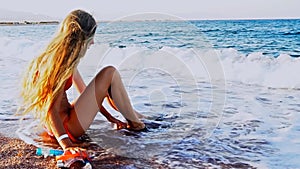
(15, 153)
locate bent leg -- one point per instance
(90, 101)
(121, 99)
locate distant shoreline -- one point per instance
(13, 23)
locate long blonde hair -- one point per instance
(48, 72)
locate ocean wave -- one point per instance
(254, 68)
(292, 33)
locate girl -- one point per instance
(53, 72)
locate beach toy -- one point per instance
(48, 152)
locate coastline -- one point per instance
(13, 23)
(15, 153)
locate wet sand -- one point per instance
(15, 153)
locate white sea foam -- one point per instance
(255, 68)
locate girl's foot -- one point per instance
(139, 115)
(135, 126)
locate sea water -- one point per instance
(216, 93)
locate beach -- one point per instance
(15, 153)
(217, 94)
(216, 81)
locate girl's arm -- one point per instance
(56, 123)
(78, 81)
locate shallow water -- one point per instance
(242, 113)
(259, 127)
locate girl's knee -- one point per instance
(109, 69)
(107, 72)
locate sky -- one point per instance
(183, 9)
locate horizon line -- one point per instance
(45, 21)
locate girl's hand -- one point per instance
(74, 150)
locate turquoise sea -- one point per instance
(218, 93)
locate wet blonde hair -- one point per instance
(48, 72)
